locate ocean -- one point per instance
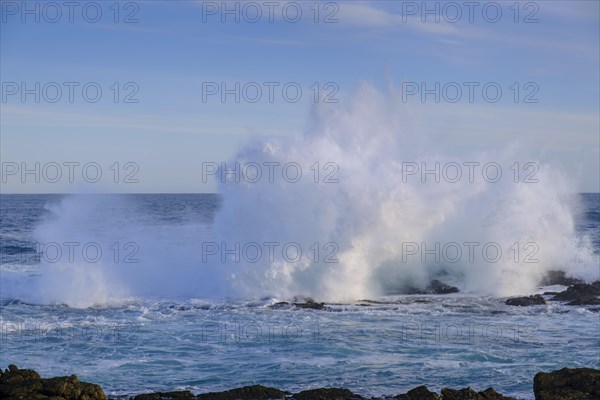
(142, 293)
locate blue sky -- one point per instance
(175, 47)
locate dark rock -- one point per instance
(279, 305)
(491, 394)
(311, 304)
(526, 301)
(549, 293)
(592, 301)
(70, 387)
(583, 293)
(559, 277)
(418, 393)
(255, 392)
(461, 394)
(18, 383)
(327, 394)
(567, 384)
(179, 395)
(435, 287)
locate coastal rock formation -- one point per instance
(567, 384)
(418, 393)
(179, 395)
(24, 384)
(580, 294)
(255, 392)
(327, 394)
(435, 287)
(526, 301)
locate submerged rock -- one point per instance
(327, 394)
(567, 384)
(580, 294)
(559, 277)
(418, 393)
(255, 392)
(526, 301)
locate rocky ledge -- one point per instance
(26, 384)
(578, 292)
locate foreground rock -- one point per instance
(559, 277)
(422, 393)
(580, 294)
(256, 392)
(18, 383)
(327, 394)
(179, 395)
(418, 393)
(26, 384)
(534, 300)
(567, 384)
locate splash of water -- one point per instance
(370, 214)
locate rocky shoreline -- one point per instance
(563, 384)
(27, 384)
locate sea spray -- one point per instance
(375, 208)
(356, 210)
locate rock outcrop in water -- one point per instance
(26, 384)
(580, 294)
(534, 300)
(567, 384)
(435, 287)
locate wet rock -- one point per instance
(559, 277)
(255, 392)
(18, 383)
(327, 394)
(435, 287)
(418, 393)
(179, 395)
(526, 301)
(70, 387)
(280, 305)
(461, 394)
(583, 293)
(310, 304)
(491, 394)
(567, 384)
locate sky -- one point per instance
(144, 92)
